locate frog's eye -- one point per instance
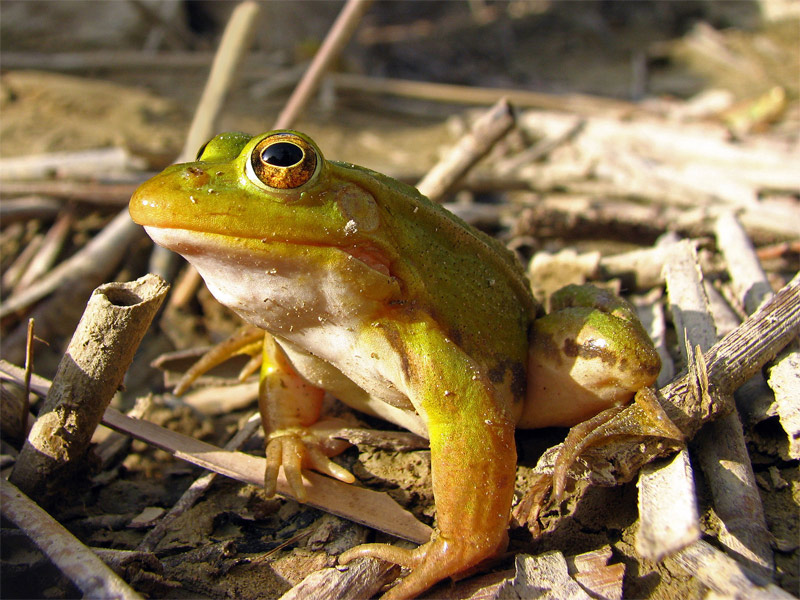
(283, 160)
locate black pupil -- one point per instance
(282, 154)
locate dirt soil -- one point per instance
(236, 543)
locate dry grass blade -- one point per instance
(364, 506)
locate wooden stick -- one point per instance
(667, 501)
(491, 127)
(28, 207)
(88, 376)
(108, 59)
(112, 194)
(784, 382)
(338, 36)
(362, 578)
(48, 252)
(748, 277)
(721, 446)
(74, 559)
(82, 163)
(17, 269)
(38, 384)
(464, 94)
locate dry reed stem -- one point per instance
(89, 374)
(338, 36)
(667, 501)
(464, 94)
(721, 446)
(487, 130)
(232, 47)
(94, 262)
(46, 256)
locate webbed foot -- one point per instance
(644, 418)
(429, 563)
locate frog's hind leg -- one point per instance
(473, 457)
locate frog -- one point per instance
(356, 284)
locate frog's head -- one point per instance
(266, 203)
(275, 186)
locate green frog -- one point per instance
(401, 310)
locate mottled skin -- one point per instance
(400, 309)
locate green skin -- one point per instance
(440, 322)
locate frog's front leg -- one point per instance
(295, 438)
(473, 459)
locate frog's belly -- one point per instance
(319, 300)
(328, 377)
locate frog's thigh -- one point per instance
(581, 362)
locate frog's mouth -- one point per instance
(371, 257)
(194, 244)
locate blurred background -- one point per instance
(154, 57)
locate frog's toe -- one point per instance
(284, 451)
(426, 570)
(393, 554)
(296, 450)
(322, 464)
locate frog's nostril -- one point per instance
(195, 176)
